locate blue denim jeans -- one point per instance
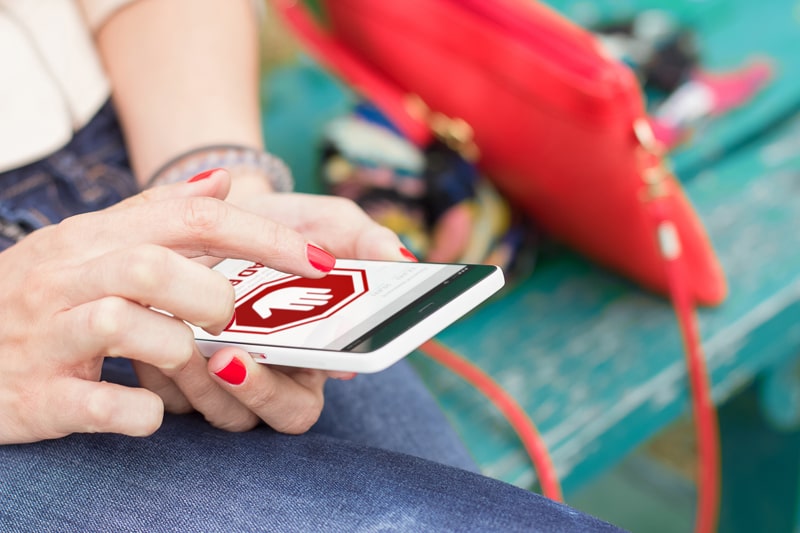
(381, 457)
(90, 173)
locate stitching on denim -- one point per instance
(25, 185)
(41, 218)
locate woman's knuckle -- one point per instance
(106, 318)
(68, 228)
(344, 204)
(301, 419)
(145, 196)
(382, 233)
(237, 424)
(205, 392)
(146, 268)
(99, 413)
(277, 238)
(183, 350)
(264, 398)
(203, 214)
(39, 286)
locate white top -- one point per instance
(52, 78)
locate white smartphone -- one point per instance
(362, 317)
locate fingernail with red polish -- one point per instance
(202, 175)
(408, 255)
(320, 259)
(234, 373)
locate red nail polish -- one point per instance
(320, 259)
(234, 373)
(408, 255)
(202, 175)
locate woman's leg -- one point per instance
(348, 473)
(392, 410)
(190, 476)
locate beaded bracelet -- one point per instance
(232, 157)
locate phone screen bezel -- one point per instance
(418, 310)
(403, 320)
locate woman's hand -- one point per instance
(87, 288)
(233, 391)
(166, 61)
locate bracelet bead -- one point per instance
(235, 158)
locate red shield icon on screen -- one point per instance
(293, 301)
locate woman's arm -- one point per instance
(184, 74)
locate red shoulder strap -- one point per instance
(704, 412)
(382, 92)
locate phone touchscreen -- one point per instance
(357, 307)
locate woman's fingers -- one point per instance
(197, 227)
(241, 392)
(116, 327)
(219, 408)
(153, 276)
(153, 379)
(225, 403)
(287, 403)
(337, 224)
(92, 407)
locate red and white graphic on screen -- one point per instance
(293, 301)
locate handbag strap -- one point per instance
(407, 113)
(517, 417)
(659, 208)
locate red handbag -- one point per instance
(558, 126)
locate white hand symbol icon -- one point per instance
(292, 299)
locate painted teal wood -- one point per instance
(596, 362)
(779, 392)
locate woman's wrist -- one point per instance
(253, 170)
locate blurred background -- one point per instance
(722, 84)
